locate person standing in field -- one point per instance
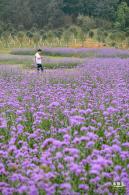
(38, 60)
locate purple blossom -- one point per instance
(76, 120)
(65, 186)
(84, 187)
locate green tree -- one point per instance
(56, 15)
(73, 8)
(4, 6)
(39, 11)
(123, 14)
(105, 9)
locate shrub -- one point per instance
(6, 34)
(21, 27)
(33, 29)
(128, 41)
(67, 35)
(100, 23)
(9, 27)
(58, 33)
(86, 23)
(91, 34)
(29, 34)
(127, 32)
(113, 44)
(36, 38)
(20, 35)
(50, 35)
(13, 33)
(117, 25)
(43, 34)
(82, 36)
(1, 30)
(105, 33)
(101, 35)
(74, 30)
(117, 37)
(42, 31)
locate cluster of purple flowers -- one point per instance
(80, 52)
(66, 131)
(84, 52)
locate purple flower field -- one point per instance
(85, 52)
(65, 132)
(76, 52)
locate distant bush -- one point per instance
(127, 32)
(9, 27)
(117, 25)
(74, 30)
(50, 35)
(33, 29)
(36, 38)
(6, 35)
(91, 34)
(13, 33)
(101, 35)
(113, 44)
(101, 23)
(128, 41)
(29, 34)
(43, 34)
(70, 36)
(105, 33)
(117, 36)
(86, 23)
(20, 27)
(66, 36)
(20, 36)
(58, 33)
(1, 30)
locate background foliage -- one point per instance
(103, 20)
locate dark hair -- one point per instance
(39, 50)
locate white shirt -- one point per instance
(38, 58)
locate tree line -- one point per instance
(55, 14)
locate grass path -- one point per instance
(49, 62)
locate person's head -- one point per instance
(39, 50)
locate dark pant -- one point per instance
(39, 67)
